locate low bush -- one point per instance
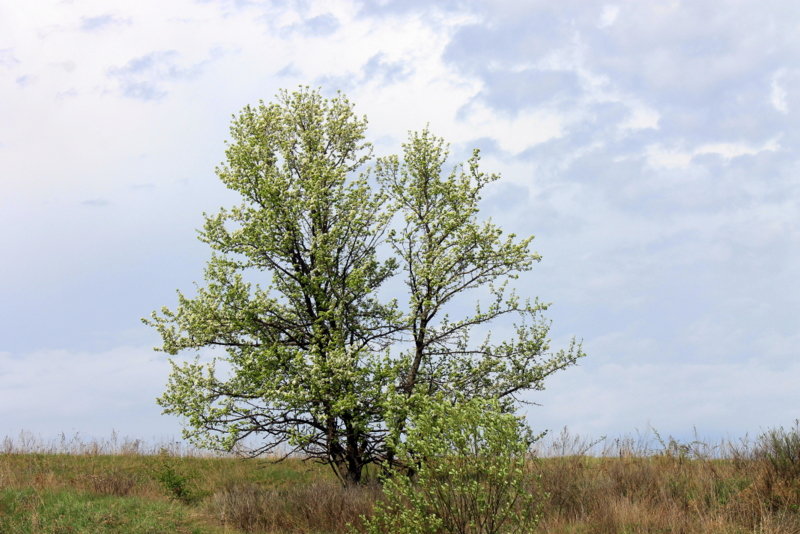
(471, 473)
(780, 448)
(179, 482)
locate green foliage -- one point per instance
(781, 449)
(179, 483)
(445, 251)
(318, 362)
(472, 473)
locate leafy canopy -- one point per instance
(316, 360)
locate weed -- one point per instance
(179, 483)
(781, 449)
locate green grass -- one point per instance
(28, 511)
(45, 493)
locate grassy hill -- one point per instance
(681, 488)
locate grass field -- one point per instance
(625, 487)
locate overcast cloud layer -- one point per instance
(651, 147)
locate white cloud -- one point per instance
(642, 118)
(733, 150)
(646, 211)
(514, 134)
(667, 158)
(201, 67)
(777, 95)
(608, 16)
(720, 400)
(663, 157)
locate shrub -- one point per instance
(471, 473)
(781, 449)
(178, 483)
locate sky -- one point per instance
(650, 146)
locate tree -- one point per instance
(315, 359)
(444, 252)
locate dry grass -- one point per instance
(318, 507)
(632, 487)
(77, 445)
(603, 487)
